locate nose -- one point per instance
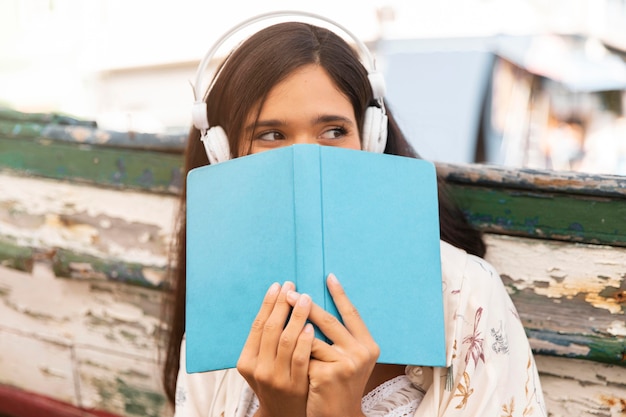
(304, 138)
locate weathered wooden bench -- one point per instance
(559, 243)
(86, 219)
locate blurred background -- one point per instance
(523, 83)
(95, 106)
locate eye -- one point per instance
(334, 133)
(270, 136)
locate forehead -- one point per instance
(307, 89)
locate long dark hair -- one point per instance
(244, 81)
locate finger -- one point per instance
(320, 350)
(292, 297)
(292, 331)
(302, 354)
(324, 352)
(274, 325)
(349, 313)
(329, 325)
(253, 341)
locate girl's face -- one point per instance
(305, 108)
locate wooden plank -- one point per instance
(95, 349)
(113, 317)
(15, 402)
(71, 130)
(582, 388)
(77, 265)
(85, 232)
(62, 147)
(108, 166)
(571, 297)
(158, 142)
(18, 117)
(533, 179)
(121, 384)
(541, 204)
(38, 362)
(558, 240)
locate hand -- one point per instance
(275, 358)
(338, 373)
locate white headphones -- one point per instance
(374, 135)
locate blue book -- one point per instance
(299, 213)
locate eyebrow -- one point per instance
(324, 118)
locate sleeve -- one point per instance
(491, 370)
(207, 394)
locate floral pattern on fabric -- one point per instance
(475, 342)
(181, 396)
(464, 390)
(501, 343)
(491, 370)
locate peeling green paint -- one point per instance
(549, 216)
(134, 401)
(13, 255)
(110, 269)
(127, 168)
(600, 348)
(128, 335)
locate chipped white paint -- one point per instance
(127, 225)
(42, 196)
(582, 388)
(576, 279)
(561, 270)
(85, 343)
(559, 349)
(618, 328)
(25, 361)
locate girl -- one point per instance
(296, 83)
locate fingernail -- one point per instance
(304, 300)
(308, 328)
(332, 278)
(292, 296)
(287, 286)
(273, 289)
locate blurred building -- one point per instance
(560, 103)
(541, 101)
(552, 99)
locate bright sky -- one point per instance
(118, 32)
(48, 46)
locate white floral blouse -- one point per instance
(490, 368)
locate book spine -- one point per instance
(308, 224)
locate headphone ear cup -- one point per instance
(216, 145)
(374, 130)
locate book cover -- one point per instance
(299, 213)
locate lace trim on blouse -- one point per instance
(397, 397)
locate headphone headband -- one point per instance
(376, 79)
(374, 135)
